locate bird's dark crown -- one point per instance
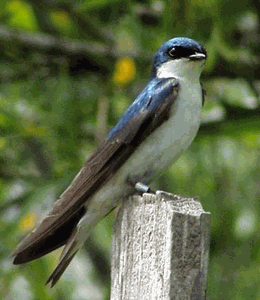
(177, 48)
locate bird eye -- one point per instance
(172, 52)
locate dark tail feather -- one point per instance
(55, 276)
(44, 245)
(67, 255)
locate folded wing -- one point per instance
(55, 229)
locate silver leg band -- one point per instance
(139, 186)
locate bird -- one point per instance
(156, 128)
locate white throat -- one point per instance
(181, 68)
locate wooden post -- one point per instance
(160, 248)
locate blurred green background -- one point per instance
(68, 71)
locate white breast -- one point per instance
(166, 143)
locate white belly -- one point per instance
(165, 145)
(159, 150)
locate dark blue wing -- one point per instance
(146, 114)
(148, 101)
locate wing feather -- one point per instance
(55, 229)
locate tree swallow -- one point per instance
(157, 127)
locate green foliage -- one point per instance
(65, 71)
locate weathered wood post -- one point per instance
(160, 248)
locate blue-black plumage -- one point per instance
(157, 127)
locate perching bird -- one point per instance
(157, 127)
